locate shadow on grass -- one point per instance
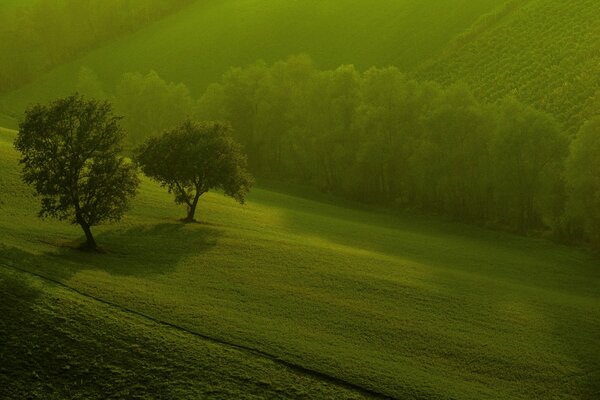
(441, 243)
(136, 251)
(147, 249)
(18, 326)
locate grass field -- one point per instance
(404, 305)
(198, 44)
(58, 344)
(530, 54)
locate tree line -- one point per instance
(381, 137)
(38, 35)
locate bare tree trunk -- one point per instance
(90, 242)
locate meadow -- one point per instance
(401, 304)
(197, 44)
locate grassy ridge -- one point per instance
(544, 52)
(58, 344)
(405, 305)
(198, 44)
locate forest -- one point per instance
(381, 137)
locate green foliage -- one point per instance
(381, 137)
(529, 156)
(151, 105)
(448, 146)
(583, 180)
(70, 153)
(194, 158)
(89, 84)
(200, 42)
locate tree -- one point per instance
(151, 105)
(583, 179)
(70, 154)
(88, 84)
(194, 158)
(528, 156)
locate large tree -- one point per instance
(583, 179)
(194, 158)
(71, 156)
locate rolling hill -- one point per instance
(57, 344)
(196, 45)
(544, 52)
(520, 48)
(402, 305)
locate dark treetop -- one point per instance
(71, 156)
(194, 158)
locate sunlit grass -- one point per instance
(407, 305)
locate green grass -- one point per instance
(58, 344)
(198, 44)
(406, 305)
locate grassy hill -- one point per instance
(544, 52)
(198, 44)
(59, 344)
(404, 305)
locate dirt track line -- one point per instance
(293, 366)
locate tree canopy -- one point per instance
(583, 180)
(192, 159)
(71, 156)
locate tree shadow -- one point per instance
(144, 250)
(139, 250)
(17, 325)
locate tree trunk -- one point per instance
(192, 209)
(90, 242)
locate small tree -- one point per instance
(194, 158)
(70, 154)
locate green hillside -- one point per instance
(60, 344)
(198, 44)
(407, 306)
(544, 52)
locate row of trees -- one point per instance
(38, 35)
(72, 156)
(382, 137)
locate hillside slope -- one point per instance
(405, 305)
(544, 52)
(198, 44)
(58, 344)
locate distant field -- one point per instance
(198, 44)
(407, 306)
(544, 52)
